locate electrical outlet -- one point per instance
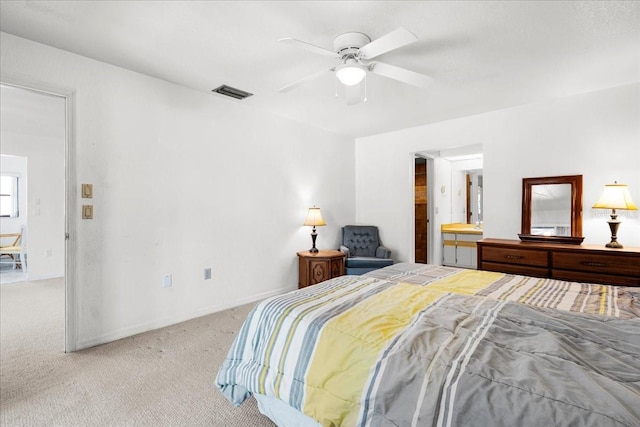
(87, 191)
(207, 273)
(166, 281)
(87, 212)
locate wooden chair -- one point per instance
(14, 249)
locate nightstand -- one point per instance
(318, 267)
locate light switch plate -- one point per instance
(87, 211)
(87, 191)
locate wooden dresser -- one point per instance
(577, 263)
(319, 266)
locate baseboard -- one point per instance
(46, 277)
(88, 342)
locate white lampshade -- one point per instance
(351, 74)
(615, 196)
(314, 217)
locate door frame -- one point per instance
(70, 215)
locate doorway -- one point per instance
(423, 229)
(474, 197)
(36, 125)
(452, 202)
(420, 216)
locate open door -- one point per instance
(421, 217)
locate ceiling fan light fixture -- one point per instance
(351, 74)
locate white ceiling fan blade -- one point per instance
(400, 74)
(393, 40)
(355, 94)
(309, 47)
(304, 80)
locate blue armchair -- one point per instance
(363, 250)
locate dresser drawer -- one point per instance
(574, 263)
(589, 277)
(619, 265)
(516, 269)
(515, 256)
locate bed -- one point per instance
(420, 345)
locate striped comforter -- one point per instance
(429, 345)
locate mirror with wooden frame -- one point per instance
(552, 209)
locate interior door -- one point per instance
(421, 217)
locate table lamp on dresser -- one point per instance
(615, 196)
(314, 218)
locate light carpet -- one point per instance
(160, 378)
(10, 275)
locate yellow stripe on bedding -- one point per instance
(466, 282)
(603, 299)
(360, 334)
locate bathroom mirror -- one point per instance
(552, 209)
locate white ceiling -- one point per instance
(483, 55)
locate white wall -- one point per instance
(595, 134)
(184, 180)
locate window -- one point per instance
(9, 196)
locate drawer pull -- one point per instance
(513, 256)
(593, 264)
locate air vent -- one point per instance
(232, 92)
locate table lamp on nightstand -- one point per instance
(615, 196)
(314, 218)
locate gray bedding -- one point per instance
(422, 346)
(513, 365)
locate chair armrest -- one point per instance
(344, 250)
(383, 252)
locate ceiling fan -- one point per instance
(355, 51)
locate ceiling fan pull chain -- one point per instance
(365, 88)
